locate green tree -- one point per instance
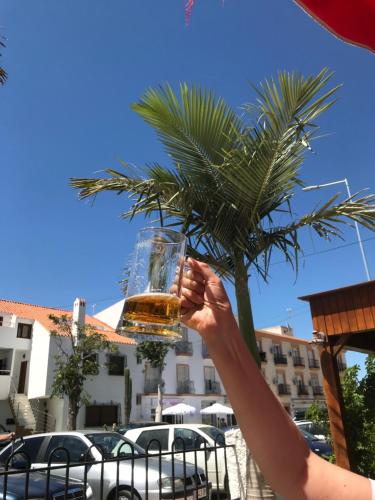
(359, 410)
(76, 360)
(155, 352)
(232, 178)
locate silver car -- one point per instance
(107, 462)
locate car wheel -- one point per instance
(124, 494)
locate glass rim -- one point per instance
(167, 230)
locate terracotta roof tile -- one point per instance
(41, 313)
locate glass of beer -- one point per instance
(152, 311)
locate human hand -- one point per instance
(204, 302)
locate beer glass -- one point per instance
(152, 311)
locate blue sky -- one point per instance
(74, 69)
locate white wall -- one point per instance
(39, 361)
(9, 339)
(112, 315)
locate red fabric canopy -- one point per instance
(352, 20)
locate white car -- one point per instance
(132, 477)
(195, 437)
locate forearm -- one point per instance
(278, 447)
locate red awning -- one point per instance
(351, 20)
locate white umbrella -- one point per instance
(217, 409)
(179, 409)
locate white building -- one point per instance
(27, 350)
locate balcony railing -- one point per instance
(313, 363)
(280, 359)
(212, 387)
(183, 348)
(283, 389)
(298, 360)
(302, 390)
(341, 365)
(205, 353)
(151, 386)
(263, 356)
(185, 387)
(317, 390)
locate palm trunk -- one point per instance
(245, 315)
(72, 415)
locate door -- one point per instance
(22, 378)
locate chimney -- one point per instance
(79, 312)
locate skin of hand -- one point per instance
(279, 449)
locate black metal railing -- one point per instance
(212, 387)
(205, 353)
(283, 389)
(302, 390)
(298, 360)
(317, 390)
(183, 348)
(280, 359)
(313, 363)
(151, 386)
(193, 470)
(185, 387)
(263, 356)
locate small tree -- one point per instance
(76, 360)
(127, 396)
(359, 411)
(155, 352)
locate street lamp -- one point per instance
(345, 181)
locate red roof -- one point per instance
(41, 313)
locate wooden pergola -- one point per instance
(342, 318)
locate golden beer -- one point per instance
(152, 314)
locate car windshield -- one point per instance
(308, 435)
(216, 434)
(113, 445)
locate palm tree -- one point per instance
(232, 177)
(3, 73)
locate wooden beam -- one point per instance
(333, 394)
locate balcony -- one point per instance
(185, 387)
(317, 390)
(212, 387)
(263, 356)
(283, 389)
(151, 386)
(205, 353)
(313, 363)
(298, 361)
(302, 390)
(280, 359)
(341, 365)
(183, 348)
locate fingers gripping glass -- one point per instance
(152, 305)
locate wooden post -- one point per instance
(333, 394)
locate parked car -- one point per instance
(308, 426)
(15, 487)
(195, 437)
(318, 446)
(136, 425)
(93, 453)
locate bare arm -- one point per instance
(279, 449)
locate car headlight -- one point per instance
(89, 493)
(167, 482)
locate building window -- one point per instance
(139, 359)
(1, 320)
(24, 331)
(91, 364)
(116, 364)
(138, 399)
